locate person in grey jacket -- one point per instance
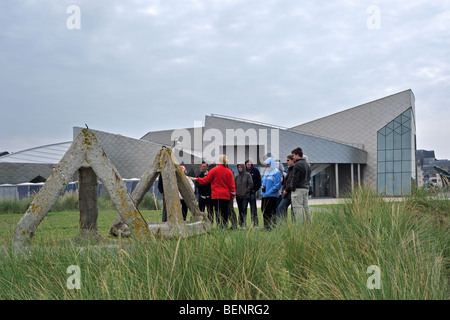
(256, 177)
(244, 186)
(301, 176)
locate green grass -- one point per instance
(326, 259)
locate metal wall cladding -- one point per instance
(15, 173)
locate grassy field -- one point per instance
(326, 259)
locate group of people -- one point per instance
(217, 188)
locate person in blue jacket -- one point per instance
(271, 183)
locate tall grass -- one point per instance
(15, 205)
(325, 259)
(330, 257)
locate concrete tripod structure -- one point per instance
(87, 156)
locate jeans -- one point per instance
(242, 206)
(300, 207)
(253, 209)
(282, 208)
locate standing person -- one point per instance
(161, 190)
(204, 193)
(256, 178)
(184, 207)
(231, 213)
(301, 176)
(222, 189)
(286, 194)
(271, 183)
(244, 186)
(280, 167)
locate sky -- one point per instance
(130, 67)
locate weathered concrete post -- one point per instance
(171, 197)
(88, 204)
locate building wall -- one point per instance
(359, 126)
(14, 173)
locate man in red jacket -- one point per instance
(223, 189)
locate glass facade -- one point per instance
(321, 183)
(396, 156)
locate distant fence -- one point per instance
(25, 190)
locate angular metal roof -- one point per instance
(318, 149)
(50, 154)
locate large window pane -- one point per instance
(381, 142)
(406, 140)
(381, 183)
(389, 166)
(398, 166)
(406, 154)
(390, 141)
(407, 166)
(406, 182)
(389, 185)
(407, 113)
(397, 183)
(389, 155)
(397, 140)
(407, 124)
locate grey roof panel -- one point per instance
(318, 150)
(130, 156)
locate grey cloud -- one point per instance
(152, 65)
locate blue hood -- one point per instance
(271, 179)
(271, 162)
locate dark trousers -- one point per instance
(222, 210)
(253, 209)
(164, 212)
(232, 215)
(242, 204)
(184, 210)
(206, 204)
(269, 210)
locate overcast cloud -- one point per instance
(139, 66)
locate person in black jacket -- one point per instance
(161, 190)
(286, 193)
(256, 178)
(204, 193)
(301, 176)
